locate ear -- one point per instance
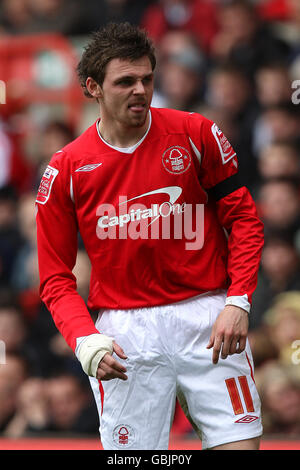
(93, 88)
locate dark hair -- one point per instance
(61, 127)
(8, 193)
(247, 5)
(114, 41)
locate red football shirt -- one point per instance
(161, 222)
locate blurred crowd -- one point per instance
(235, 61)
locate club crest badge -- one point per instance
(123, 436)
(176, 160)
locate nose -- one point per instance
(139, 88)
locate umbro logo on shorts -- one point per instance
(247, 419)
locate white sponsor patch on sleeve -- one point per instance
(226, 151)
(46, 183)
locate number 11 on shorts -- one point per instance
(235, 397)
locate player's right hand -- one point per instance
(109, 368)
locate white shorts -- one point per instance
(167, 357)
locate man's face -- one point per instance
(127, 92)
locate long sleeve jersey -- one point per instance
(162, 221)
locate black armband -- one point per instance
(226, 187)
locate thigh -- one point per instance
(221, 399)
(136, 413)
(246, 444)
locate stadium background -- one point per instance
(238, 63)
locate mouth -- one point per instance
(137, 107)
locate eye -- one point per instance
(147, 80)
(125, 82)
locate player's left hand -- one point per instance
(229, 333)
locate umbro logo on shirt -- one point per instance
(90, 167)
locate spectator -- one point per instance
(283, 323)
(279, 272)
(5, 157)
(45, 359)
(104, 11)
(71, 407)
(229, 88)
(178, 51)
(68, 17)
(276, 123)
(279, 160)
(294, 70)
(280, 396)
(13, 327)
(50, 353)
(279, 206)
(12, 375)
(10, 238)
(15, 170)
(231, 91)
(285, 19)
(60, 404)
(195, 16)
(244, 40)
(17, 332)
(273, 85)
(14, 16)
(31, 414)
(289, 30)
(279, 330)
(175, 42)
(181, 79)
(55, 135)
(274, 10)
(57, 345)
(44, 16)
(25, 273)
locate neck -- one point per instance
(122, 136)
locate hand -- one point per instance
(33, 402)
(109, 368)
(229, 333)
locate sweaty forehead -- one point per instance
(124, 67)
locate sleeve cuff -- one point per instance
(239, 301)
(79, 342)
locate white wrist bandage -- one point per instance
(92, 350)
